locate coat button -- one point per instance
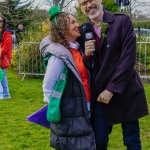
(108, 45)
(114, 77)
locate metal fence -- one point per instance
(143, 59)
(30, 59)
(143, 34)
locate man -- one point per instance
(18, 33)
(117, 94)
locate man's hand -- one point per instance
(105, 96)
(89, 47)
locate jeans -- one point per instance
(130, 131)
(1, 91)
(4, 82)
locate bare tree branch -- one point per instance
(61, 3)
(68, 4)
(134, 4)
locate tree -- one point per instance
(80, 16)
(61, 3)
(133, 4)
(110, 6)
(39, 15)
(16, 12)
(138, 15)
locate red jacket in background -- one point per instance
(6, 52)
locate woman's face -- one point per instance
(73, 29)
(1, 23)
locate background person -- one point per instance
(18, 33)
(5, 53)
(74, 130)
(117, 94)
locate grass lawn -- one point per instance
(17, 133)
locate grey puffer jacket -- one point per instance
(74, 132)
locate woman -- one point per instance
(5, 54)
(74, 129)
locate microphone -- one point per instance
(87, 33)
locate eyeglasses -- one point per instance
(1, 21)
(84, 3)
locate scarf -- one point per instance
(53, 110)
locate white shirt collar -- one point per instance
(74, 45)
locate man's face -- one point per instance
(91, 8)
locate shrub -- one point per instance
(142, 24)
(31, 59)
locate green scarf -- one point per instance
(53, 111)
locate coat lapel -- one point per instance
(107, 18)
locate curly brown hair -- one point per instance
(58, 32)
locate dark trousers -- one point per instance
(130, 131)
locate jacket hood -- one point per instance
(9, 30)
(48, 47)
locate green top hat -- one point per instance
(54, 12)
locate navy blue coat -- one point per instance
(114, 69)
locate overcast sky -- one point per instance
(43, 4)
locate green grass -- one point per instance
(16, 133)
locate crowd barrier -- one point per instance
(30, 59)
(143, 59)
